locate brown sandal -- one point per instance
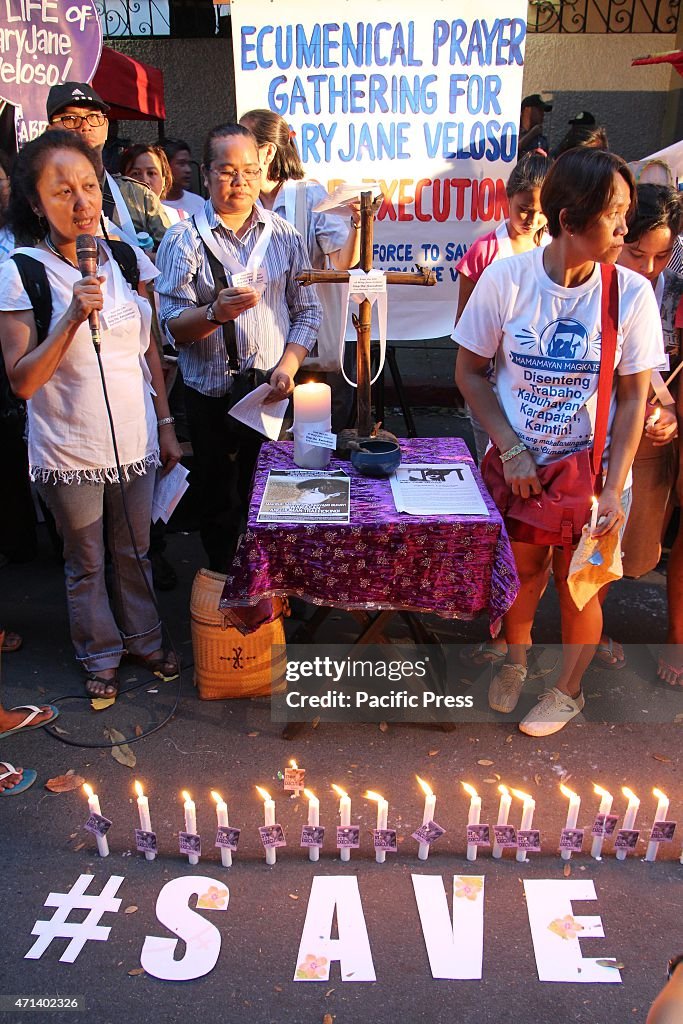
(111, 686)
(165, 667)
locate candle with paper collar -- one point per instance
(94, 808)
(344, 816)
(382, 818)
(145, 820)
(605, 808)
(297, 789)
(473, 817)
(572, 815)
(190, 822)
(313, 819)
(503, 814)
(528, 808)
(222, 821)
(629, 817)
(427, 814)
(660, 815)
(268, 819)
(312, 411)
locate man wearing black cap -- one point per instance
(534, 109)
(131, 206)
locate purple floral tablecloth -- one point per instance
(454, 566)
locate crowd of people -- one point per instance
(208, 286)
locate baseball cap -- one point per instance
(583, 117)
(535, 100)
(73, 94)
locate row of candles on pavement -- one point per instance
(524, 840)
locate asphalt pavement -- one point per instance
(234, 746)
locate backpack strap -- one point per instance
(34, 279)
(608, 348)
(124, 254)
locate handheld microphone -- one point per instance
(87, 258)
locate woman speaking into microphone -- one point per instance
(97, 431)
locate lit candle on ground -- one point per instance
(503, 813)
(473, 817)
(594, 513)
(268, 819)
(605, 808)
(297, 789)
(94, 808)
(190, 822)
(572, 815)
(222, 821)
(660, 815)
(145, 820)
(382, 818)
(528, 808)
(629, 817)
(344, 815)
(427, 814)
(313, 819)
(312, 411)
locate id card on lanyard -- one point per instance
(253, 275)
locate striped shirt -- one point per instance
(287, 312)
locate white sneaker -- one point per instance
(552, 713)
(506, 687)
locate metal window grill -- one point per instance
(154, 19)
(603, 16)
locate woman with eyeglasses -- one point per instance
(231, 304)
(80, 473)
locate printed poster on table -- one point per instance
(305, 496)
(423, 100)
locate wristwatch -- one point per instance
(673, 964)
(211, 315)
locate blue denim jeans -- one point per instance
(102, 632)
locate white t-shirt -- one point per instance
(188, 204)
(546, 343)
(69, 438)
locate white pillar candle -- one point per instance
(528, 808)
(572, 815)
(605, 808)
(594, 513)
(312, 411)
(382, 818)
(313, 819)
(268, 819)
(660, 815)
(473, 817)
(190, 822)
(503, 814)
(94, 808)
(145, 820)
(427, 814)
(629, 817)
(222, 821)
(344, 816)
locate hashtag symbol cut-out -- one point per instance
(79, 932)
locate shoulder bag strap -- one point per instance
(608, 348)
(219, 274)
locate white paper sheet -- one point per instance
(305, 496)
(556, 931)
(168, 490)
(343, 195)
(431, 489)
(455, 949)
(266, 419)
(318, 949)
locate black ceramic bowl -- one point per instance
(376, 458)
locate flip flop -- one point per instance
(11, 642)
(606, 656)
(33, 710)
(674, 670)
(28, 778)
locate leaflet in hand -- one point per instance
(343, 195)
(266, 419)
(446, 489)
(168, 490)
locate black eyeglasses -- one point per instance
(74, 121)
(230, 174)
